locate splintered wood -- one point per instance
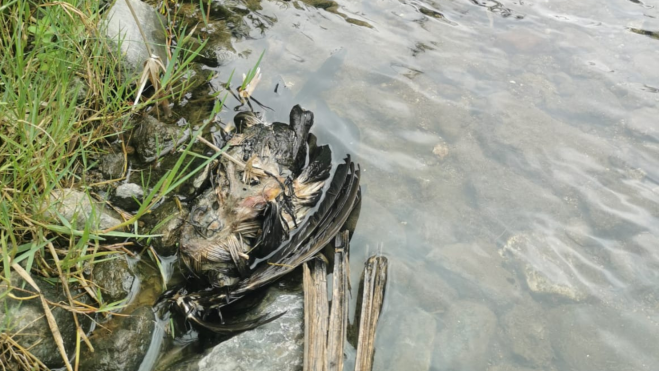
(338, 322)
(325, 331)
(375, 280)
(315, 314)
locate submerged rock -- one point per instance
(465, 341)
(121, 27)
(542, 267)
(153, 139)
(412, 335)
(527, 332)
(278, 345)
(78, 208)
(121, 344)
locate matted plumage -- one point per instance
(259, 222)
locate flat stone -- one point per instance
(78, 208)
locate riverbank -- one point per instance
(66, 106)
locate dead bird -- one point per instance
(271, 202)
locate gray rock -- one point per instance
(115, 278)
(153, 139)
(480, 270)
(542, 274)
(121, 26)
(112, 165)
(121, 343)
(29, 326)
(593, 337)
(127, 195)
(78, 208)
(527, 333)
(465, 341)
(411, 334)
(276, 346)
(422, 286)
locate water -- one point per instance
(510, 157)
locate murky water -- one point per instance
(510, 156)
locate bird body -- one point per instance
(281, 209)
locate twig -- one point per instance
(224, 153)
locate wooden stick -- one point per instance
(315, 314)
(375, 280)
(338, 321)
(224, 153)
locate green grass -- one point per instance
(63, 98)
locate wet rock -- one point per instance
(153, 139)
(480, 271)
(594, 337)
(527, 333)
(112, 165)
(542, 267)
(278, 345)
(79, 208)
(511, 367)
(464, 343)
(218, 52)
(121, 26)
(173, 219)
(29, 326)
(424, 286)
(411, 334)
(128, 196)
(121, 344)
(115, 278)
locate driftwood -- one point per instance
(374, 281)
(316, 311)
(338, 321)
(324, 342)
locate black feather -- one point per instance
(228, 328)
(314, 235)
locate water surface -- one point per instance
(510, 158)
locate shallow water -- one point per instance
(510, 158)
